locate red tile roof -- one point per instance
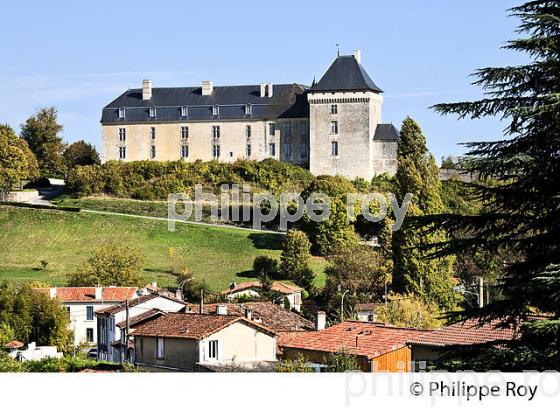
(142, 317)
(272, 316)
(280, 287)
(14, 344)
(191, 325)
(87, 294)
(360, 338)
(468, 332)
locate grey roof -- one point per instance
(287, 101)
(386, 132)
(346, 74)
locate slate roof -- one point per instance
(287, 101)
(360, 338)
(386, 132)
(87, 294)
(191, 325)
(346, 74)
(468, 332)
(280, 287)
(272, 316)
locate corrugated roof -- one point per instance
(346, 74)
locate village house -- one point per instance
(367, 312)
(202, 342)
(111, 321)
(33, 352)
(332, 127)
(291, 293)
(376, 346)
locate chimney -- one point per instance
(232, 285)
(146, 89)
(269, 90)
(263, 89)
(207, 87)
(178, 294)
(98, 293)
(320, 320)
(248, 314)
(52, 293)
(154, 284)
(358, 56)
(221, 309)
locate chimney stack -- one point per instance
(269, 90)
(98, 293)
(207, 87)
(320, 320)
(146, 89)
(358, 56)
(221, 309)
(178, 294)
(248, 314)
(52, 293)
(263, 90)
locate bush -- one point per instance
(265, 265)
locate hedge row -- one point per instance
(153, 180)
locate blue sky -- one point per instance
(78, 56)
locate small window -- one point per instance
(288, 150)
(334, 148)
(122, 112)
(89, 335)
(248, 109)
(334, 109)
(184, 111)
(271, 128)
(141, 346)
(216, 110)
(152, 151)
(122, 134)
(248, 150)
(67, 310)
(334, 127)
(272, 149)
(287, 129)
(152, 133)
(303, 152)
(184, 133)
(213, 349)
(216, 131)
(216, 151)
(303, 129)
(160, 348)
(184, 151)
(385, 151)
(122, 152)
(152, 112)
(248, 131)
(89, 312)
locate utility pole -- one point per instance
(342, 306)
(126, 333)
(202, 298)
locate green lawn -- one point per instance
(66, 239)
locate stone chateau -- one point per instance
(333, 127)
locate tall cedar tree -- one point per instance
(525, 205)
(41, 132)
(415, 270)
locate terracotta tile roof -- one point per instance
(360, 338)
(280, 287)
(111, 310)
(135, 320)
(87, 294)
(468, 332)
(191, 325)
(272, 316)
(14, 344)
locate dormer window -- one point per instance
(184, 111)
(248, 109)
(216, 110)
(152, 112)
(122, 112)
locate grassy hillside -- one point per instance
(65, 240)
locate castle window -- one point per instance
(152, 112)
(184, 133)
(384, 150)
(271, 128)
(216, 110)
(287, 150)
(152, 151)
(122, 134)
(216, 151)
(122, 112)
(303, 152)
(334, 109)
(248, 150)
(184, 111)
(334, 127)
(248, 109)
(287, 129)
(215, 131)
(303, 129)
(184, 151)
(153, 133)
(248, 131)
(272, 149)
(122, 152)
(334, 148)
